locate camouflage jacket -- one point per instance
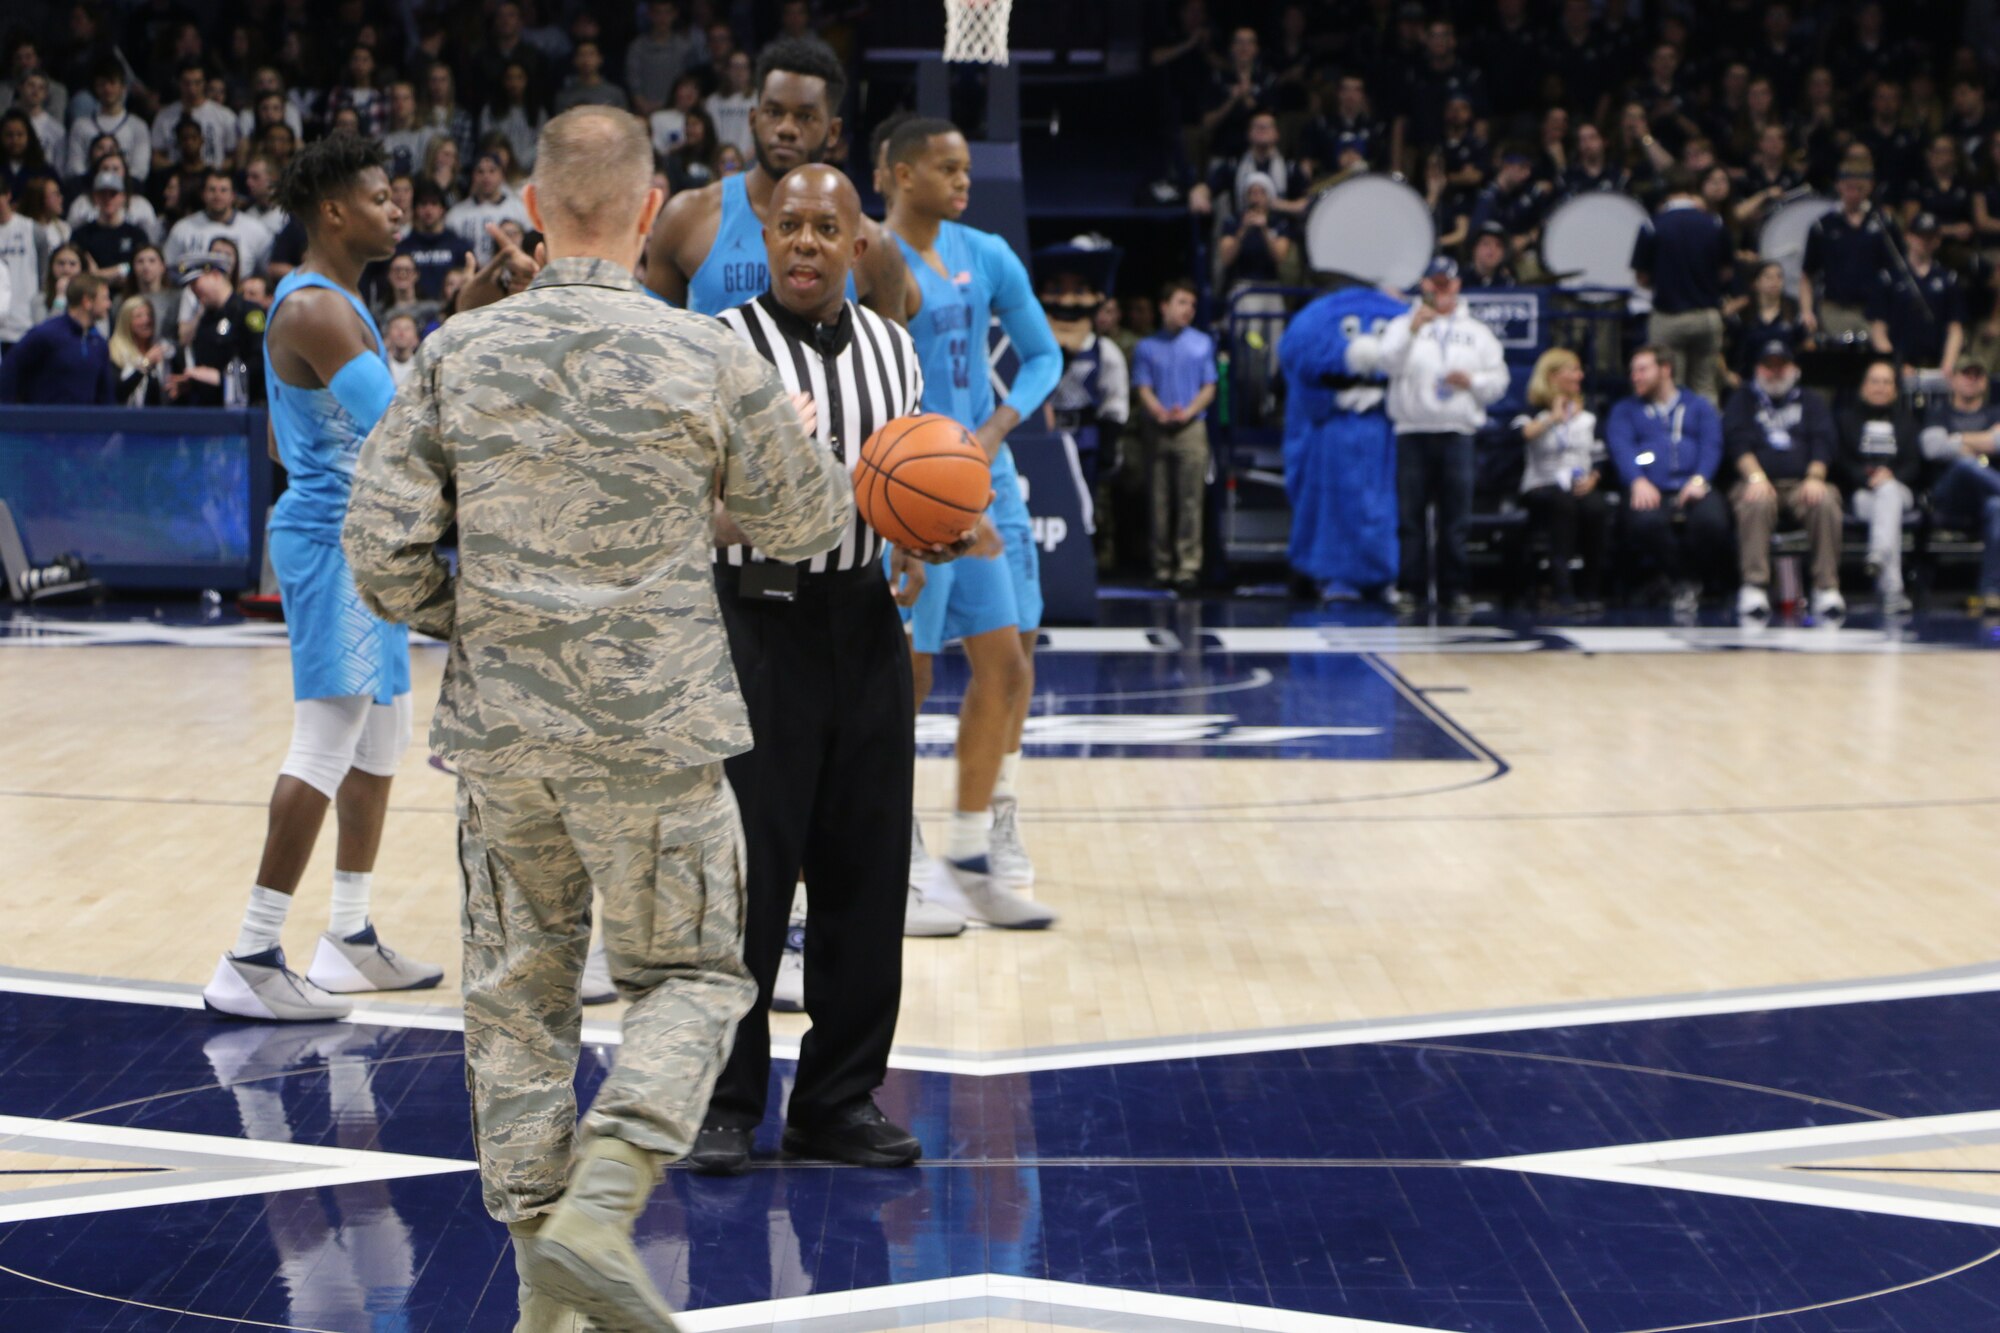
(577, 432)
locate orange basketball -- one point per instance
(923, 481)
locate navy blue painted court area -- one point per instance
(1820, 1159)
(1359, 1179)
(1198, 705)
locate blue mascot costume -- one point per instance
(1340, 452)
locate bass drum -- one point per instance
(1783, 238)
(1587, 241)
(1374, 228)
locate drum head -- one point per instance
(1373, 228)
(1589, 239)
(1783, 238)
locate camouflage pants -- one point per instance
(665, 856)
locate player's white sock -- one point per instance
(350, 903)
(1010, 775)
(263, 922)
(971, 834)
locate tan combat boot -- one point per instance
(583, 1255)
(539, 1313)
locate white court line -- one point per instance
(297, 1165)
(999, 1295)
(1984, 980)
(1731, 1159)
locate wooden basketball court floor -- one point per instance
(1406, 979)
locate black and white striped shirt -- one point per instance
(861, 371)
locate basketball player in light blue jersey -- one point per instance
(992, 602)
(328, 385)
(707, 248)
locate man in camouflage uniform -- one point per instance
(581, 436)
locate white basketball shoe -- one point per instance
(262, 987)
(361, 962)
(1009, 857)
(924, 917)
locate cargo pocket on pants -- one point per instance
(479, 892)
(698, 894)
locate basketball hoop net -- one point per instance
(976, 30)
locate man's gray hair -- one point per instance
(593, 166)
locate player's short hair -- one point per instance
(913, 137)
(885, 131)
(807, 56)
(325, 168)
(593, 166)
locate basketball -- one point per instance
(923, 481)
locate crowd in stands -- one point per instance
(140, 146)
(1712, 115)
(141, 143)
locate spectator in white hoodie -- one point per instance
(1445, 367)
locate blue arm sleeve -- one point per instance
(364, 387)
(1021, 316)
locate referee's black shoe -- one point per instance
(720, 1150)
(859, 1135)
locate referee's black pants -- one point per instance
(826, 790)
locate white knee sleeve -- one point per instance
(325, 733)
(385, 737)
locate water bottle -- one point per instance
(1222, 386)
(235, 383)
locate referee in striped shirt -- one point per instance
(824, 668)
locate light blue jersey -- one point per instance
(983, 279)
(736, 269)
(318, 439)
(339, 647)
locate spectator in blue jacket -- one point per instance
(1666, 444)
(64, 360)
(1780, 440)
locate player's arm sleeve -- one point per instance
(1022, 317)
(792, 498)
(402, 504)
(364, 387)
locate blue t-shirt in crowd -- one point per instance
(1685, 252)
(1174, 366)
(1845, 257)
(435, 254)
